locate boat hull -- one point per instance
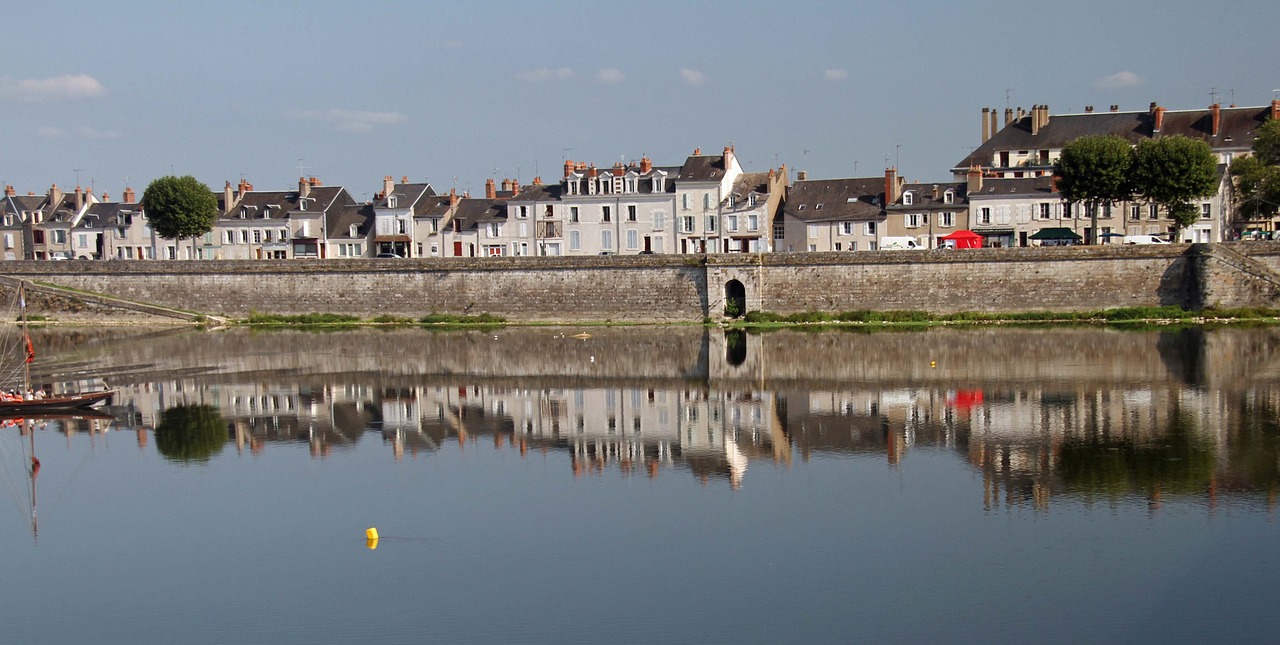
(56, 403)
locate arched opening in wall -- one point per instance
(735, 299)
(735, 347)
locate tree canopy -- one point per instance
(1094, 170)
(180, 207)
(1171, 171)
(1257, 177)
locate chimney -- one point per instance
(79, 199)
(404, 179)
(697, 151)
(994, 122)
(387, 184)
(1008, 116)
(801, 175)
(1088, 109)
(975, 180)
(9, 191)
(619, 169)
(537, 181)
(890, 185)
(772, 175)
(1217, 118)
(935, 192)
(453, 197)
(506, 185)
(568, 168)
(227, 196)
(1021, 113)
(728, 157)
(515, 186)
(130, 198)
(592, 172)
(1115, 108)
(986, 129)
(646, 165)
(1275, 108)
(489, 191)
(304, 187)
(243, 187)
(1158, 122)
(314, 182)
(1044, 115)
(1035, 120)
(106, 197)
(55, 194)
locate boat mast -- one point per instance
(26, 342)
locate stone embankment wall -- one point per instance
(665, 288)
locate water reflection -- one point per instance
(1090, 416)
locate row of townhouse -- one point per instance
(1003, 191)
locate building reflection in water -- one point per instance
(1092, 415)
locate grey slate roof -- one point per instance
(702, 168)
(279, 202)
(340, 217)
(922, 194)
(830, 200)
(1023, 186)
(473, 212)
(1237, 129)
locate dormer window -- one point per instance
(572, 185)
(801, 207)
(817, 207)
(391, 201)
(751, 199)
(353, 231)
(949, 197)
(244, 213)
(658, 184)
(631, 184)
(908, 198)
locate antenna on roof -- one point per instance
(1213, 95)
(1007, 94)
(301, 167)
(77, 171)
(855, 167)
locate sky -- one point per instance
(109, 94)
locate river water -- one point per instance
(651, 484)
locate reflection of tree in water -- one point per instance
(1253, 451)
(1100, 467)
(1182, 352)
(191, 433)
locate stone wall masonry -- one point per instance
(670, 288)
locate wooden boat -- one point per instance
(31, 402)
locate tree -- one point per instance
(180, 207)
(1257, 177)
(1172, 171)
(1094, 170)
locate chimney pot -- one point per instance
(645, 165)
(697, 151)
(1115, 108)
(489, 191)
(1088, 109)
(801, 175)
(974, 177)
(568, 168)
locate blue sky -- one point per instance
(101, 93)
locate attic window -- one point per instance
(751, 200)
(949, 197)
(907, 198)
(352, 231)
(851, 200)
(244, 213)
(817, 207)
(801, 207)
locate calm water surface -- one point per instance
(650, 485)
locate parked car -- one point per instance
(387, 255)
(899, 244)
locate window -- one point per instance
(706, 201)
(949, 197)
(1067, 209)
(751, 199)
(284, 234)
(573, 213)
(1106, 210)
(269, 235)
(684, 202)
(871, 229)
(908, 198)
(984, 216)
(575, 241)
(711, 223)
(351, 232)
(391, 201)
(686, 223)
(1135, 211)
(659, 220)
(753, 222)
(257, 237)
(227, 237)
(573, 187)
(1045, 210)
(606, 240)
(8, 240)
(244, 236)
(779, 230)
(605, 214)
(631, 212)
(812, 230)
(846, 228)
(800, 208)
(59, 236)
(947, 220)
(633, 239)
(731, 224)
(1206, 210)
(493, 228)
(818, 207)
(522, 212)
(915, 220)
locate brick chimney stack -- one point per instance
(453, 196)
(974, 177)
(1115, 108)
(646, 164)
(9, 191)
(106, 197)
(490, 190)
(314, 182)
(55, 194)
(1008, 116)
(1035, 120)
(890, 185)
(592, 172)
(387, 184)
(986, 128)
(227, 197)
(802, 175)
(131, 198)
(1216, 109)
(728, 157)
(1157, 114)
(404, 179)
(1275, 108)
(537, 181)
(697, 151)
(304, 187)
(1088, 109)
(568, 168)
(515, 186)
(79, 199)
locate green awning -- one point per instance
(1055, 234)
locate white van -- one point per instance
(1143, 239)
(899, 244)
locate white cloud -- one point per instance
(1119, 80)
(692, 76)
(34, 90)
(351, 120)
(546, 74)
(835, 74)
(610, 75)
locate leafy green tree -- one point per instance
(1172, 171)
(191, 433)
(180, 207)
(1257, 177)
(1094, 170)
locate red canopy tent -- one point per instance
(963, 240)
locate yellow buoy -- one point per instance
(933, 363)
(371, 533)
(372, 543)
